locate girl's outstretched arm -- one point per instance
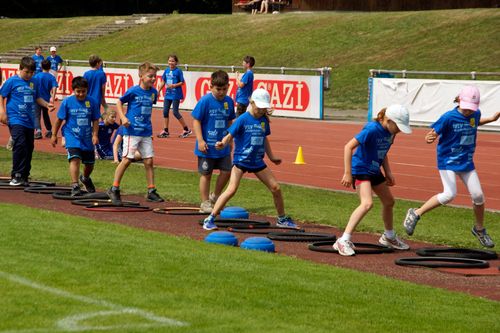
(487, 120)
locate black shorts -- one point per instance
(86, 156)
(207, 165)
(250, 170)
(373, 179)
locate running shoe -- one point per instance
(410, 221)
(394, 243)
(206, 207)
(87, 182)
(185, 134)
(344, 247)
(483, 237)
(286, 222)
(209, 223)
(153, 196)
(163, 134)
(115, 197)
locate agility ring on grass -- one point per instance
(6, 186)
(447, 262)
(226, 223)
(258, 230)
(359, 248)
(297, 236)
(66, 195)
(93, 202)
(30, 182)
(457, 252)
(46, 189)
(115, 208)
(179, 211)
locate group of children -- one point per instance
(216, 125)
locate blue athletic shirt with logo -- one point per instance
(457, 140)
(214, 116)
(104, 134)
(38, 62)
(172, 77)
(374, 143)
(45, 82)
(21, 98)
(243, 94)
(54, 61)
(140, 106)
(78, 117)
(96, 79)
(249, 135)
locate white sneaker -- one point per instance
(10, 144)
(344, 248)
(206, 207)
(395, 243)
(213, 198)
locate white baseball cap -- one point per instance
(261, 98)
(400, 115)
(469, 98)
(53, 48)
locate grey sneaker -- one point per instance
(410, 221)
(17, 180)
(76, 191)
(87, 182)
(483, 237)
(206, 207)
(395, 243)
(213, 198)
(115, 197)
(153, 196)
(344, 248)
(38, 134)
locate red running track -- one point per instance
(412, 161)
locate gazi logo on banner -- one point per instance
(117, 84)
(64, 79)
(202, 87)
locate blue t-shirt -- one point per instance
(243, 94)
(457, 140)
(105, 146)
(78, 117)
(38, 62)
(54, 61)
(172, 77)
(374, 143)
(214, 116)
(249, 135)
(45, 82)
(96, 80)
(21, 98)
(140, 106)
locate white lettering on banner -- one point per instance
(8, 72)
(64, 79)
(117, 84)
(286, 95)
(202, 87)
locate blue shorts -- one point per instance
(86, 156)
(175, 108)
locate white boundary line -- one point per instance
(72, 323)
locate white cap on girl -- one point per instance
(400, 115)
(261, 98)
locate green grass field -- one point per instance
(350, 42)
(66, 273)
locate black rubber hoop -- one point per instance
(258, 230)
(66, 195)
(46, 189)
(114, 208)
(457, 252)
(226, 223)
(294, 236)
(31, 182)
(6, 186)
(93, 202)
(179, 211)
(447, 262)
(359, 248)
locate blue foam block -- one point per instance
(234, 212)
(222, 237)
(258, 243)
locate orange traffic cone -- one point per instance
(300, 157)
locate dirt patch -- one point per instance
(381, 264)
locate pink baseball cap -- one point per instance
(469, 98)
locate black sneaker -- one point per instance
(76, 191)
(38, 134)
(153, 196)
(483, 237)
(87, 182)
(17, 180)
(48, 134)
(115, 197)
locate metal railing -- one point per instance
(404, 73)
(323, 71)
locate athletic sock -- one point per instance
(186, 128)
(390, 234)
(346, 236)
(115, 188)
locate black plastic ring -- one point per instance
(46, 189)
(457, 252)
(296, 236)
(93, 202)
(447, 262)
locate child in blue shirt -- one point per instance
(250, 132)
(80, 114)
(21, 94)
(47, 86)
(457, 131)
(56, 61)
(97, 80)
(38, 57)
(364, 155)
(212, 116)
(107, 127)
(245, 85)
(138, 131)
(173, 79)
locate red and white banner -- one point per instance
(298, 96)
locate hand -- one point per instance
(95, 139)
(389, 179)
(202, 146)
(116, 162)
(53, 140)
(431, 136)
(275, 160)
(219, 145)
(125, 122)
(3, 118)
(346, 180)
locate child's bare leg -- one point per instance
(267, 177)
(148, 166)
(120, 171)
(74, 170)
(366, 203)
(87, 170)
(182, 122)
(234, 183)
(479, 214)
(165, 122)
(205, 186)
(385, 196)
